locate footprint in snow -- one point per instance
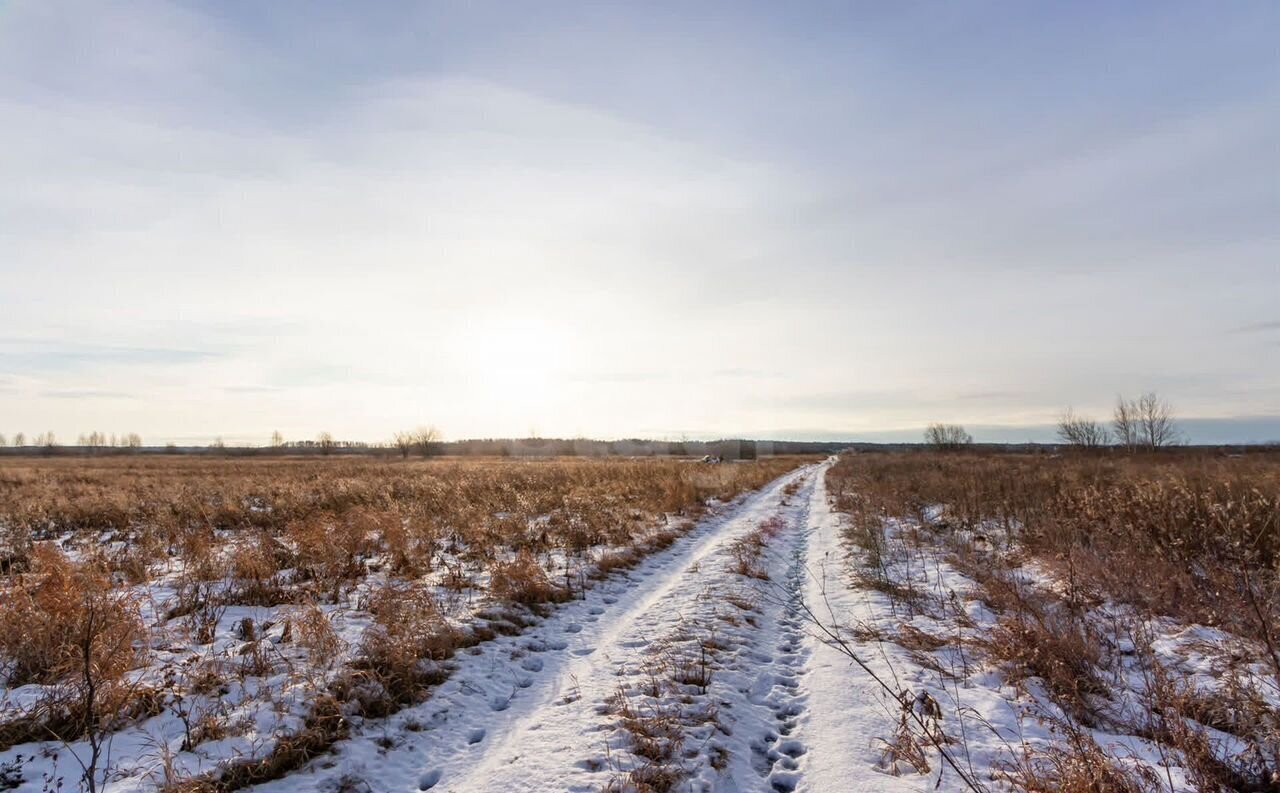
(531, 664)
(792, 749)
(475, 736)
(597, 610)
(429, 780)
(572, 627)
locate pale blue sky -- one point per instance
(823, 219)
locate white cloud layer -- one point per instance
(228, 222)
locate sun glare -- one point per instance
(525, 359)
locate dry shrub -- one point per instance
(198, 550)
(410, 546)
(254, 564)
(402, 651)
(522, 580)
(747, 551)
(330, 550)
(15, 549)
(311, 629)
(1037, 636)
(1175, 704)
(55, 612)
(1057, 650)
(655, 729)
(1076, 765)
(323, 727)
(610, 561)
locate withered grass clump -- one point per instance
(402, 651)
(58, 612)
(1076, 765)
(522, 580)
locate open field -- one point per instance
(253, 608)
(912, 621)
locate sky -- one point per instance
(778, 220)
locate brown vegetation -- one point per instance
(1185, 535)
(83, 541)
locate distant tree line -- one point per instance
(92, 441)
(426, 441)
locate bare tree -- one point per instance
(277, 440)
(1146, 422)
(326, 443)
(422, 439)
(425, 438)
(1156, 426)
(947, 436)
(106, 642)
(19, 440)
(3, 442)
(1124, 423)
(1082, 432)
(133, 441)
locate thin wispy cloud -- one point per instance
(1258, 327)
(86, 393)
(34, 355)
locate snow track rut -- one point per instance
(574, 734)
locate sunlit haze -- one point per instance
(838, 221)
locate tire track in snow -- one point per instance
(789, 700)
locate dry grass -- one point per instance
(1076, 765)
(57, 608)
(378, 538)
(331, 519)
(1195, 537)
(522, 580)
(1187, 536)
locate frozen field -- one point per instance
(775, 640)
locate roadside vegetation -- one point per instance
(1132, 599)
(214, 623)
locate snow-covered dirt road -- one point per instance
(558, 706)
(701, 669)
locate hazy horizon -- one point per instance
(836, 221)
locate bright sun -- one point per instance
(522, 358)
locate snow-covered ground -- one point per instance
(747, 656)
(532, 712)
